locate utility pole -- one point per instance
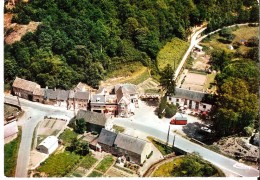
(168, 135)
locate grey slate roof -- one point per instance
(62, 95)
(50, 94)
(82, 95)
(92, 117)
(107, 137)
(71, 94)
(130, 143)
(96, 97)
(188, 94)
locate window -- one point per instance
(170, 99)
(204, 106)
(177, 100)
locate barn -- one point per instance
(48, 145)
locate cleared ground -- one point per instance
(194, 82)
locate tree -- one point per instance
(253, 41)
(80, 126)
(170, 110)
(167, 80)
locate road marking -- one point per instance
(241, 166)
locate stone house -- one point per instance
(62, 98)
(111, 104)
(191, 99)
(95, 121)
(50, 96)
(98, 103)
(134, 149)
(106, 140)
(24, 88)
(38, 95)
(131, 90)
(79, 100)
(123, 101)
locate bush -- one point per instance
(170, 110)
(162, 107)
(248, 131)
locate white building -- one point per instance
(48, 145)
(189, 98)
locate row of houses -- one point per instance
(134, 149)
(120, 100)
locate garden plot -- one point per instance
(194, 82)
(51, 127)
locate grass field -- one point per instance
(210, 79)
(67, 136)
(10, 155)
(95, 174)
(243, 32)
(172, 52)
(206, 169)
(104, 165)
(161, 147)
(58, 165)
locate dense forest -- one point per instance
(84, 40)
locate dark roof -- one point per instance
(107, 137)
(92, 117)
(25, 84)
(98, 98)
(82, 95)
(62, 95)
(50, 94)
(188, 94)
(130, 143)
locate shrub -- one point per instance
(170, 110)
(248, 131)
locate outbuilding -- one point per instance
(48, 145)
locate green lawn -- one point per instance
(210, 79)
(10, 155)
(88, 161)
(180, 167)
(118, 129)
(139, 78)
(58, 165)
(243, 32)
(104, 165)
(95, 174)
(161, 147)
(67, 136)
(172, 52)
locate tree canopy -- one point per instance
(85, 40)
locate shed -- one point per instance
(48, 145)
(106, 140)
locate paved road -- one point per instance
(34, 113)
(160, 131)
(192, 44)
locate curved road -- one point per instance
(182, 143)
(33, 113)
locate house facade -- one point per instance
(24, 88)
(79, 100)
(134, 149)
(106, 141)
(38, 95)
(191, 99)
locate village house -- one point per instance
(98, 103)
(24, 88)
(95, 121)
(123, 102)
(38, 95)
(106, 141)
(56, 97)
(131, 90)
(191, 99)
(84, 87)
(79, 100)
(134, 149)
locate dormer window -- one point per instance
(98, 99)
